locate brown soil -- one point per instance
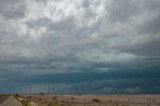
(93, 100)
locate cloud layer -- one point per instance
(68, 38)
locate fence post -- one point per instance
(68, 102)
(99, 103)
(84, 101)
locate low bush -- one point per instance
(25, 103)
(95, 100)
(72, 98)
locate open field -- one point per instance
(90, 100)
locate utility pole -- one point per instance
(30, 91)
(48, 89)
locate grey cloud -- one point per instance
(152, 5)
(151, 26)
(12, 9)
(64, 41)
(123, 10)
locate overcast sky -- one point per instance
(86, 46)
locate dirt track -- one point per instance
(33, 104)
(11, 101)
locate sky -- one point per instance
(80, 46)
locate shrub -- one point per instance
(110, 100)
(25, 103)
(54, 98)
(17, 96)
(95, 100)
(41, 94)
(72, 98)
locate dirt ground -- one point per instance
(92, 100)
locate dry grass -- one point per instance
(94, 100)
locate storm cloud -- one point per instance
(113, 45)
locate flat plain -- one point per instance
(90, 99)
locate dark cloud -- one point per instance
(112, 45)
(108, 82)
